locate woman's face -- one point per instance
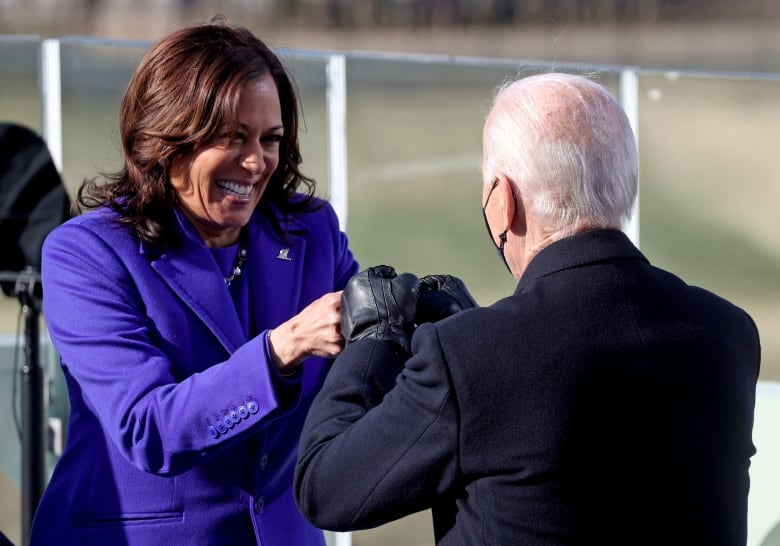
(220, 182)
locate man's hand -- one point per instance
(377, 303)
(440, 297)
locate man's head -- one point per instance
(559, 152)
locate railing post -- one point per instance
(337, 136)
(628, 87)
(51, 99)
(336, 71)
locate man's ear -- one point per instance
(512, 208)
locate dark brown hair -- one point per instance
(186, 87)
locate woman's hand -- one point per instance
(315, 331)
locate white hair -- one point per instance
(566, 144)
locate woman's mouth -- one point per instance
(241, 191)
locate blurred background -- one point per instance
(691, 34)
(419, 77)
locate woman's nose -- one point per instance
(253, 161)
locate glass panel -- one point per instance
(19, 94)
(415, 148)
(94, 77)
(415, 144)
(709, 191)
(310, 78)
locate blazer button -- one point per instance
(234, 416)
(228, 421)
(213, 432)
(243, 412)
(252, 406)
(259, 505)
(221, 427)
(263, 461)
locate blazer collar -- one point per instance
(580, 249)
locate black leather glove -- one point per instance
(379, 304)
(440, 297)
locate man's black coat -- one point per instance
(604, 402)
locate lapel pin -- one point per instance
(283, 255)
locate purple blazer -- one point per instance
(181, 431)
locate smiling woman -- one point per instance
(220, 183)
(212, 311)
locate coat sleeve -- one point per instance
(381, 439)
(119, 372)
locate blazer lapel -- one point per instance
(276, 271)
(191, 272)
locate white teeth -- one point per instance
(239, 190)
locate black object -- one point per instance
(4, 540)
(33, 201)
(377, 303)
(442, 296)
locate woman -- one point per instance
(195, 309)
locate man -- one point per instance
(604, 402)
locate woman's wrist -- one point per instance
(284, 361)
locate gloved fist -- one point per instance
(377, 303)
(440, 297)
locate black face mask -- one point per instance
(501, 236)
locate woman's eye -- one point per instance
(273, 138)
(226, 138)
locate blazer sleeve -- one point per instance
(381, 439)
(118, 372)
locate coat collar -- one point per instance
(580, 249)
(274, 270)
